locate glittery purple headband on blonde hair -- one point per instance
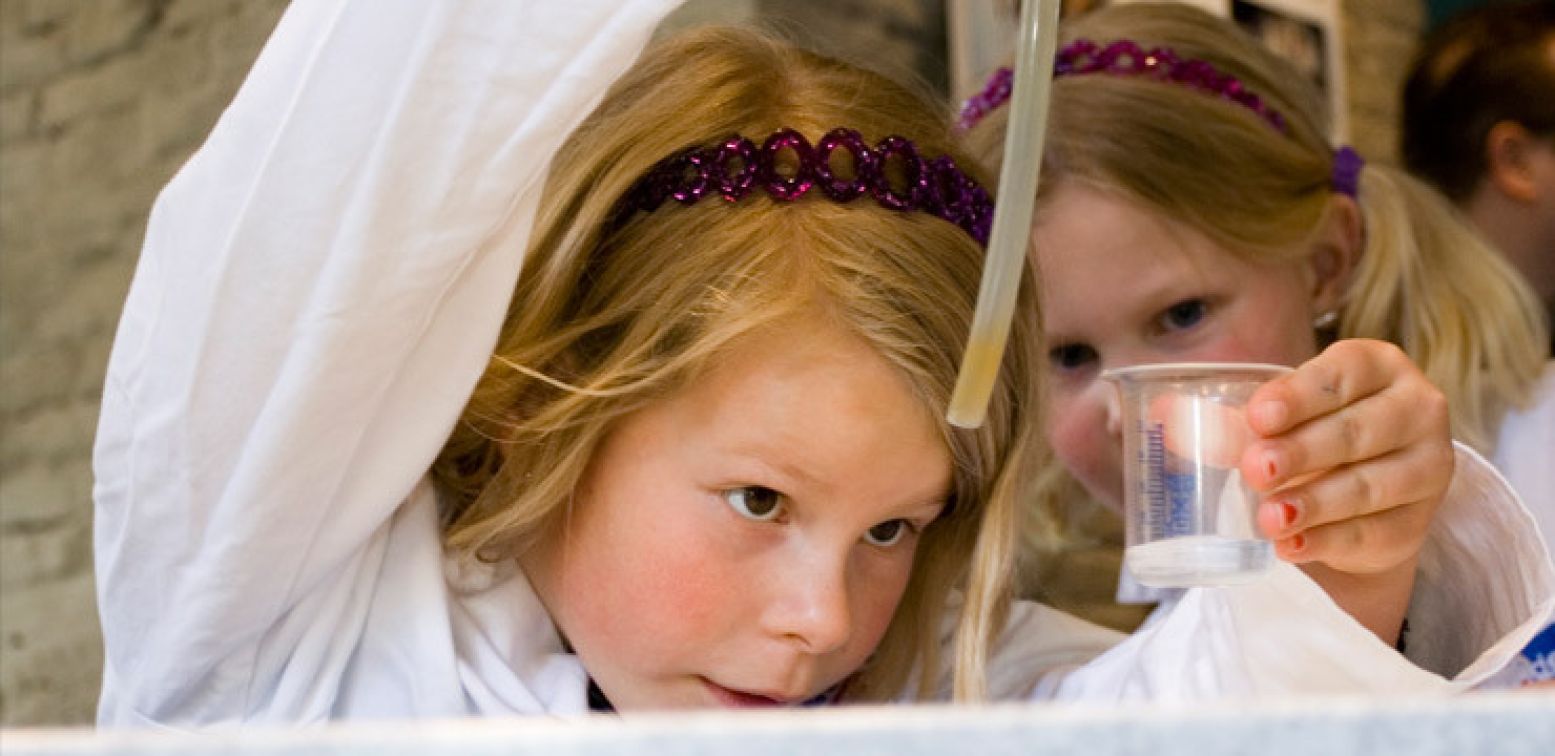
(736, 166)
(1126, 58)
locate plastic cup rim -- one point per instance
(1193, 370)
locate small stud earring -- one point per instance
(1325, 320)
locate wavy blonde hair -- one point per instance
(609, 317)
(1423, 280)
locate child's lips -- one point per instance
(739, 699)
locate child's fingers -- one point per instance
(1356, 448)
(1408, 411)
(1362, 545)
(1375, 426)
(1417, 473)
(1344, 373)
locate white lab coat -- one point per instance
(320, 288)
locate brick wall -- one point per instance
(1380, 38)
(100, 101)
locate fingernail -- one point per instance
(1271, 464)
(1297, 543)
(1276, 517)
(1288, 513)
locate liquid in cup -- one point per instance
(1189, 518)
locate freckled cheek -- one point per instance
(1080, 440)
(1231, 350)
(688, 585)
(667, 588)
(1257, 341)
(875, 596)
(1299, 346)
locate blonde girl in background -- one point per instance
(451, 384)
(1193, 209)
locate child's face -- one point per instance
(1123, 286)
(746, 540)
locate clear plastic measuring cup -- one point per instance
(1189, 517)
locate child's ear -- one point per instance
(1508, 162)
(1336, 252)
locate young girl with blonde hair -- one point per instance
(435, 397)
(754, 382)
(1193, 209)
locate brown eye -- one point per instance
(886, 533)
(754, 502)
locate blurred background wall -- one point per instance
(102, 100)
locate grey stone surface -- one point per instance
(1509, 724)
(100, 101)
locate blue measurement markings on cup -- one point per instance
(1169, 495)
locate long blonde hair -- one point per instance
(1423, 280)
(610, 316)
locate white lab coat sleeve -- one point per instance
(319, 289)
(1485, 588)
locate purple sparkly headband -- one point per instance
(736, 166)
(1126, 58)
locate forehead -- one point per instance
(817, 404)
(1128, 229)
(1090, 245)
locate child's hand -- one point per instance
(1354, 454)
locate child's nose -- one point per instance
(1114, 410)
(811, 606)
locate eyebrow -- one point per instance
(791, 473)
(1170, 289)
(1144, 302)
(940, 506)
(771, 463)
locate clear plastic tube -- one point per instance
(1011, 232)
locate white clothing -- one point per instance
(1525, 454)
(321, 286)
(1256, 639)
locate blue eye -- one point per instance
(1184, 315)
(755, 502)
(1071, 356)
(886, 533)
